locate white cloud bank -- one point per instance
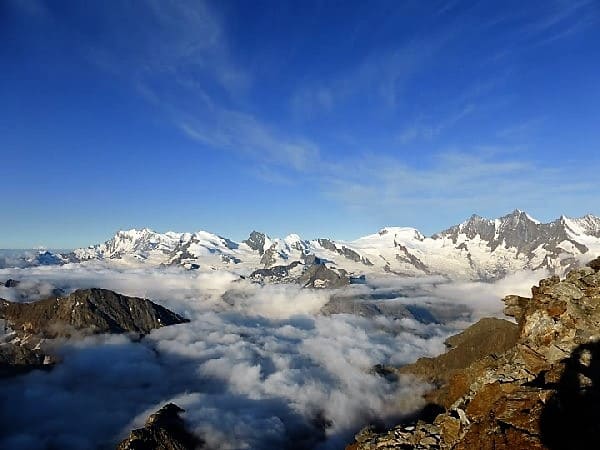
(260, 370)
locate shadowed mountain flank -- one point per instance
(88, 310)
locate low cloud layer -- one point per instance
(257, 367)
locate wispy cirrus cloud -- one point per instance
(177, 56)
(425, 130)
(561, 19)
(379, 80)
(240, 132)
(461, 181)
(183, 40)
(544, 23)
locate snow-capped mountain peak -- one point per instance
(478, 248)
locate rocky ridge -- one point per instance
(541, 392)
(164, 430)
(87, 311)
(25, 328)
(309, 273)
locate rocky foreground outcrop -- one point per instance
(164, 430)
(87, 310)
(535, 386)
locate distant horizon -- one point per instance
(282, 235)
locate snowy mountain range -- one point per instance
(479, 249)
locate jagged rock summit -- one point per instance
(310, 273)
(26, 327)
(543, 392)
(87, 310)
(164, 430)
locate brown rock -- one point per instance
(557, 308)
(482, 404)
(486, 337)
(541, 391)
(481, 437)
(515, 306)
(88, 310)
(449, 429)
(19, 359)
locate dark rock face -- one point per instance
(316, 275)
(278, 273)
(48, 259)
(25, 326)
(181, 253)
(256, 241)
(310, 259)
(320, 276)
(344, 251)
(14, 354)
(595, 264)
(575, 406)
(542, 392)
(87, 310)
(269, 256)
(515, 230)
(18, 359)
(164, 430)
(406, 256)
(10, 283)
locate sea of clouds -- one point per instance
(257, 366)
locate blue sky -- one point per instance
(322, 118)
